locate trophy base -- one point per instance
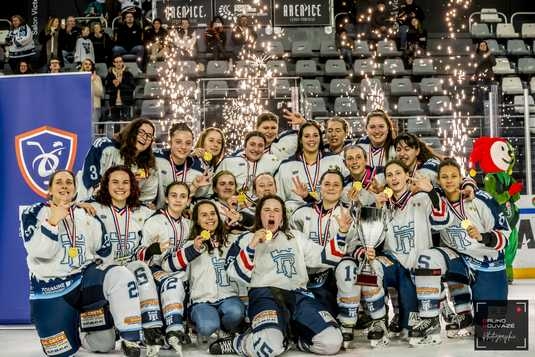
(366, 280)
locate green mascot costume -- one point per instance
(496, 157)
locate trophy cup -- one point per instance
(370, 229)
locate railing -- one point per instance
(521, 13)
(90, 19)
(470, 18)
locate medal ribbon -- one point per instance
(461, 214)
(176, 238)
(403, 200)
(312, 184)
(118, 226)
(70, 234)
(323, 235)
(183, 173)
(245, 185)
(372, 152)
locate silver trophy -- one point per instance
(370, 228)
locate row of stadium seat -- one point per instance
(483, 31)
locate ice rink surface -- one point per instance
(22, 341)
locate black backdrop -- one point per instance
(434, 9)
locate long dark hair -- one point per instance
(412, 141)
(308, 123)
(103, 194)
(127, 139)
(392, 132)
(258, 220)
(220, 233)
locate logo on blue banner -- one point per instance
(42, 151)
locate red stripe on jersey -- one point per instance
(141, 254)
(181, 259)
(334, 251)
(441, 212)
(245, 260)
(500, 243)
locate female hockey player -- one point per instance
(69, 287)
(472, 252)
(168, 230)
(210, 147)
(215, 305)
(309, 163)
(417, 156)
(176, 164)
(130, 147)
(410, 216)
(273, 262)
(359, 185)
(117, 205)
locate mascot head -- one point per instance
(493, 155)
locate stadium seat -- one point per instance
(526, 65)
(433, 142)
(134, 69)
(387, 48)
(517, 48)
(3, 36)
(152, 90)
(490, 16)
(394, 67)
(511, 86)
(431, 86)
(506, 31)
(528, 30)
(335, 68)
(301, 49)
(278, 67)
(340, 87)
(275, 48)
(187, 89)
(502, 66)
(216, 89)
(101, 69)
(402, 86)
(369, 85)
(152, 69)
(281, 88)
(217, 69)
(423, 67)
(532, 85)
(345, 106)
(311, 87)
(361, 49)
(409, 106)
(365, 67)
(440, 105)
(306, 68)
(328, 49)
(518, 102)
(495, 48)
(481, 31)
(420, 125)
(316, 106)
(152, 108)
(188, 68)
(127, 57)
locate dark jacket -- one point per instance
(67, 41)
(417, 37)
(129, 37)
(485, 62)
(127, 86)
(408, 9)
(102, 46)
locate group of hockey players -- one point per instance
(262, 250)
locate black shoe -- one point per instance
(223, 346)
(153, 336)
(130, 348)
(179, 336)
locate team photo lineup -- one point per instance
(257, 229)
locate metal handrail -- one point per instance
(520, 13)
(100, 19)
(479, 13)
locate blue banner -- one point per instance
(45, 121)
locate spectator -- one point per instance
(48, 38)
(20, 41)
(216, 38)
(120, 85)
(484, 75)
(379, 23)
(186, 39)
(102, 44)
(129, 38)
(154, 39)
(96, 9)
(54, 65)
(242, 35)
(97, 90)
(407, 12)
(344, 44)
(84, 47)
(25, 67)
(68, 35)
(416, 41)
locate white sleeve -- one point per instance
(41, 239)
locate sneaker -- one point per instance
(223, 346)
(130, 348)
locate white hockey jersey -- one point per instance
(365, 197)
(124, 228)
(485, 214)
(59, 253)
(168, 172)
(377, 157)
(409, 224)
(103, 154)
(281, 262)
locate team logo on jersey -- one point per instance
(285, 261)
(42, 151)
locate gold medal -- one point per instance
(242, 198)
(207, 156)
(473, 172)
(141, 174)
(314, 195)
(388, 192)
(269, 234)
(357, 185)
(73, 252)
(205, 235)
(465, 224)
